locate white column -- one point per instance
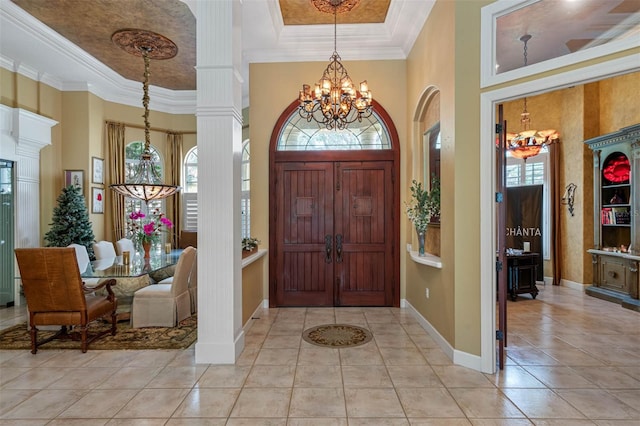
(219, 117)
(22, 135)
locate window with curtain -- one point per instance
(133, 150)
(534, 171)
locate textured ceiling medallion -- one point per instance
(340, 6)
(135, 41)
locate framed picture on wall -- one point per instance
(75, 178)
(97, 168)
(97, 200)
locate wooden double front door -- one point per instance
(334, 233)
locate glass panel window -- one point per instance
(301, 135)
(132, 156)
(191, 171)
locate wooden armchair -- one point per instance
(55, 295)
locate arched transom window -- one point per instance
(298, 134)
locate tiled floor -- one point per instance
(572, 360)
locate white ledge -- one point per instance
(250, 259)
(427, 259)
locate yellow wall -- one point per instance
(252, 279)
(578, 113)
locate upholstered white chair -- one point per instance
(125, 244)
(82, 256)
(104, 250)
(165, 305)
(193, 286)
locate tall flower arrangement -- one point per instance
(424, 204)
(143, 230)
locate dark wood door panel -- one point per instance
(362, 279)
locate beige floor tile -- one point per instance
(36, 378)
(406, 356)
(366, 376)
(111, 359)
(485, 403)
(7, 374)
(197, 422)
(318, 376)
(256, 422)
(130, 378)
(608, 377)
(559, 377)
(373, 402)
(83, 378)
(9, 398)
(615, 422)
(279, 341)
(542, 404)
(224, 376)
(563, 422)
(514, 376)
(414, 376)
(630, 397)
(137, 422)
(455, 376)
(599, 404)
(318, 421)
(262, 402)
(248, 356)
(435, 356)
(531, 357)
(572, 356)
(26, 359)
(208, 402)
(500, 422)
(78, 422)
(317, 402)
(423, 340)
(153, 403)
(286, 327)
(99, 404)
(69, 358)
(158, 358)
(399, 340)
(367, 354)
(439, 422)
(394, 328)
(177, 377)
(377, 421)
(429, 402)
(315, 355)
(46, 404)
(277, 357)
(271, 376)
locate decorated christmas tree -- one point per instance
(71, 222)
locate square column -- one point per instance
(219, 124)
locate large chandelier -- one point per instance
(334, 102)
(146, 184)
(529, 143)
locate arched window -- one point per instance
(132, 152)
(245, 196)
(190, 192)
(301, 135)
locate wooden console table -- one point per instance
(522, 270)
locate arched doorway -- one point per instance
(334, 213)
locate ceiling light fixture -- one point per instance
(334, 103)
(529, 143)
(146, 183)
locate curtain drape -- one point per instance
(174, 203)
(115, 145)
(556, 210)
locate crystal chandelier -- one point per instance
(146, 183)
(529, 143)
(335, 103)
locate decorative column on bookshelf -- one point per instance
(616, 201)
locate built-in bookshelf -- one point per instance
(616, 188)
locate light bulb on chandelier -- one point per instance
(529, 143)
(334, 102)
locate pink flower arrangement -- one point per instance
(143, 232)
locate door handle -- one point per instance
(339, 248)
(327, 248)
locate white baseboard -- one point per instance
(457, 357)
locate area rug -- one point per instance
(180, 337)
(337, 335)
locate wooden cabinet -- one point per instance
(616, 205)
(522, 272)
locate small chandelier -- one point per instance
(146, 184)
(529, 143)
(334, 103)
